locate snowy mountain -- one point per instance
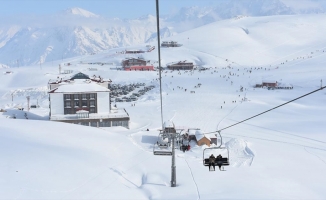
(76, 31)
(79, 12)
(32, 45)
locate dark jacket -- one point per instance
(212, 159)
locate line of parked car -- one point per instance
(119, 93)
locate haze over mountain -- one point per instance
(37, 39)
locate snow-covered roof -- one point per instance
(80, 87)
(192, 131)
(199, 135)
(119, 113)
(168, 124)
(269, 81)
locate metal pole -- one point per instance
(28, 102)
(173, 168)
(159, 55)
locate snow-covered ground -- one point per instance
(278, 155)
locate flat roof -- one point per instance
(114, 114)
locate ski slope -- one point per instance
(278, 155)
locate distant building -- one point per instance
(170, 44)
(136, 64)
(272, 84)
(134, 51)
(269, 83)
(181, 65)
(85, 101)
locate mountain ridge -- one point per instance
(76, 31)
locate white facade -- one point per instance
(56, 104)
(103, 102)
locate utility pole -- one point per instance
(173, 134)
(321, 83)
(173, 168)
(28, 97)
(159, 55)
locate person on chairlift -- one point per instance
(211, 162)
(219, 158)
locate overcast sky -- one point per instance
(106, 8)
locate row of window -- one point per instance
(79, 96)
(69, 104)
(105, 123)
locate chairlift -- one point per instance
(221, 159)
(163, 146)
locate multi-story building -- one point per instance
(136, 64)
(181, 65)
(86, 101)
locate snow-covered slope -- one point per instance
(278, 155)
(232, 8)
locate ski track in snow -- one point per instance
(277, 141)
(305, 148)
(302, 137)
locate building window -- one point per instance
(105, 124)
(84, 103)
(67, 111)
(76, 96)
(76, 103)
(67, 104)
(84, 97)
(92, 110)
(92, 96)
(84, 123)
(67, 96)
(92, 103)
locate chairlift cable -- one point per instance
(268, 110)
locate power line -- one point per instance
(268, 110)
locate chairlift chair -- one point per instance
(218, 161)
(163, 145)
(223, 161)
